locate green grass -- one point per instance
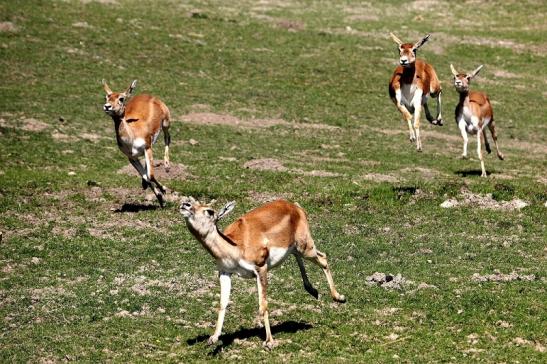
(80, 280)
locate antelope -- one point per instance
(473, 114)
(138, 121)
(258, 241)
(411, 84)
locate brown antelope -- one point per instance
(411, 84)
(255, 243)
(138, 121)
(473, 114)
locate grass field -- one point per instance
(270, 99)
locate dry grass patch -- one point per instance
(209, 118)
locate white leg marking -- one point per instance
(225, 288)
(463, 131)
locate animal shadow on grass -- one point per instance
(470, 172)
(135, 207)
(241, 334)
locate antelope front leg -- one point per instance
(479, 152)
(417, 103)
(142, 172)
(262, 285)
(225, 288)
(407, 116)
(463, 131)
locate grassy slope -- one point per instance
(70, 264)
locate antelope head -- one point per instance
(461, 80)
(407, 51)
(115, 101)
(202, 218)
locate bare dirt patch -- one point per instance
(265, 164)
(8, 27)
(263, 197)
(61, 137)
(31, 124)
(105, 2)
(426, 173)
(497, 276)
(468, 198)
(378, 177)
(270, 164)
(387, 281)
(209, 118)
(290, 25)
(177, 171)
(536, 345)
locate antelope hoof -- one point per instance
(439, 122)
(145, 184)
(463, 156)
(412, 139)
(484, 175)
(212, 340)
(167, 166)
(162, 189)
(269, 344)
(340, 298)
(312, 291)
(160, 198)
(500, 156)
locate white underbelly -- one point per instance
(472, 123)
(277, 256)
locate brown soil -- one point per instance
(387, 281)
(266, 164)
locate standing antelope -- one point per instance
(473, 114)
(412, 82)
(258, 241)
(138, 122)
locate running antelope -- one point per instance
(258, 241)
(473, 114)
(138, 122)
(411, 84)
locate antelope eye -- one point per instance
(121, 99)
(186, 204)
(209, 212)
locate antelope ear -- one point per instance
(226, 209)
(106, 88)
(475, 72)
(395, 39)
(421, 42)
(131, 88)
(454, 72)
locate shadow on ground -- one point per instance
(470, 172)
(135, 207)
(241, 334)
